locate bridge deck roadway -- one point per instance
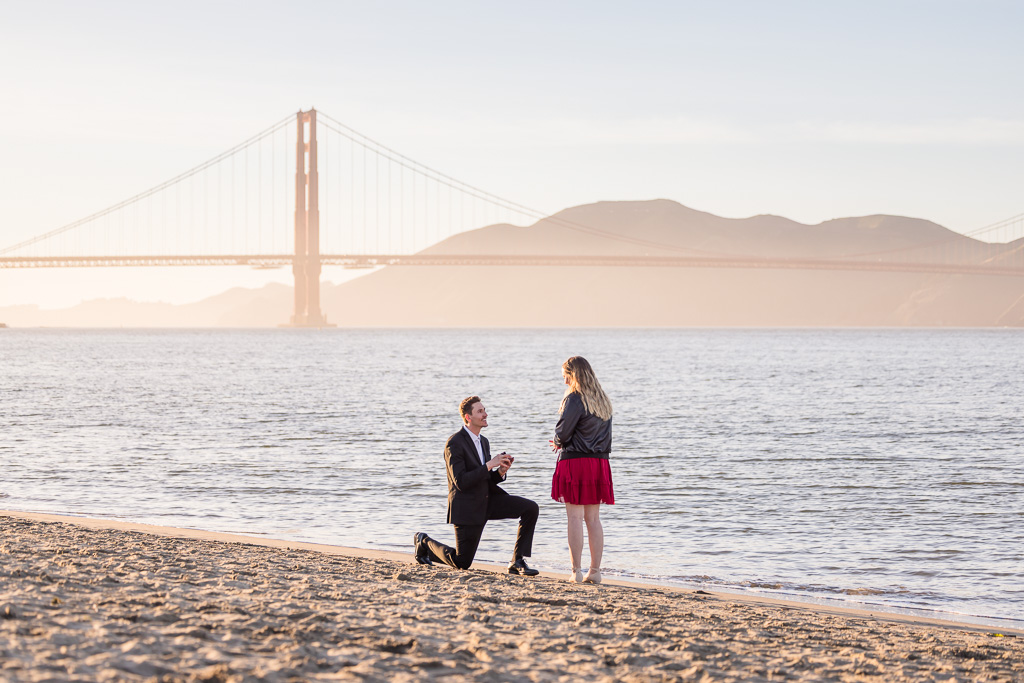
(373, 260)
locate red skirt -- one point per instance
(583, 481)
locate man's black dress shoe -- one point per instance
(520, 567)
(420, 548)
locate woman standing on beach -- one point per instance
(583, 477)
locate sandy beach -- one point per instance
(99, 600)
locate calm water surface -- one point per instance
(872, 467)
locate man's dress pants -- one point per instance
(467, 536)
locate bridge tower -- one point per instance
(306, 262)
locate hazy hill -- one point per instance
(618, 296)
(473, 296)
(237, 307)
(663, 227)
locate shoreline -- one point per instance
(880, 614)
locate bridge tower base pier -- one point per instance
(306, 262)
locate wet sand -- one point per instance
(98, 600)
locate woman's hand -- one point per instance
(553, 446)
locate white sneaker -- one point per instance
(593, 576)
(577, 575)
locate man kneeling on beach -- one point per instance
(475, 497)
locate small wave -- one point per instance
(798, 591)
(895, 599)
(936, 551)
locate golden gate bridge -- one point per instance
(310, 191)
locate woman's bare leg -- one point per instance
(595, 533)
(574, 513)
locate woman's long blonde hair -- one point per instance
(582, 381)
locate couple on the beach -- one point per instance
(582, 480)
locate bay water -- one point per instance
(870, 468)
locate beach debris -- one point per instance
(397, 646)
(554, 602)
(8, 612)
(401, 576)
(218, 673)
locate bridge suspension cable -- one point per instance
(514, 207)
(153, 190)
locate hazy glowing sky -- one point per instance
(811, 110)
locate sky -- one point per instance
(809, 110)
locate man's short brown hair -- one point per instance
(466, 407)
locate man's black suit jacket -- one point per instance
(470, 484)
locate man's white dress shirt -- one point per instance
(479, 446)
